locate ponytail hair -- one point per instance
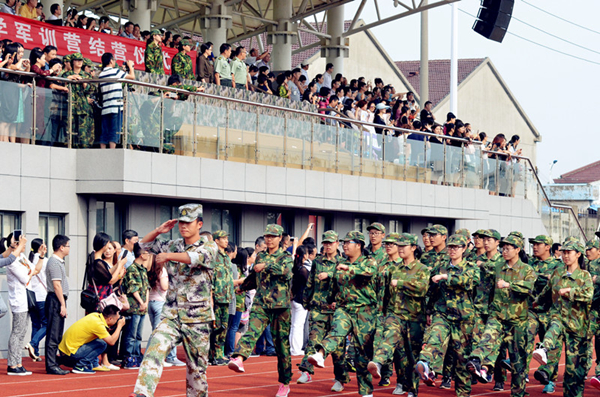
(418, 252)
(36, 243)
(581, 262)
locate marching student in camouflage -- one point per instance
(222, 294)
(153, 56)
(319, 298)
(181, 64)
(450, 293)
(508, 318)
(376, 235)
(438, 234)
(470, 253)
(81, 104)
(478, 245)
(592, 252)
(570, 292)
(426, 246)
(539, 319)
(271, 277)
(355, 311)
(406, 284)
(187, 313)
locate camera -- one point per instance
(127, 68)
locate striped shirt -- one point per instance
(112, 93)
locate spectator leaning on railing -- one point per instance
(153, 58)
(128, 31)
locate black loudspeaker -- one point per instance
(493, 19)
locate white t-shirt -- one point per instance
(38, 282)
(17, 276)
(158, 294)
(327, 80)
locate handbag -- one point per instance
(119, 301)
(88, 299)
(31, 301)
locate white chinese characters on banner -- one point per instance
(165, 62)
(119, 50)
(96, 46)
(139, 55)
(48, 36)
(3, 26)
(73, 42)
(23, 32)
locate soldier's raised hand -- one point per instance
(166, 227)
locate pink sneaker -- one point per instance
(236, 364)
(284, 390)
(595, 383)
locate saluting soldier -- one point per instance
(508, 318)
(187, 313)
(406, 285)
(222, 295)
(450, 293)
(271, 277)
(319, 298)
(153, 56)
(570, 292)
(181, 63)
(356, 303)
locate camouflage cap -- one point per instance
(570, 238)
(190, 212)
(573, 246)
(354, 235)
(493, 233)
(155, 31)
(88, 62)
(457, 239)
(76, 57)
(479, 232)
(67, 58)
(393, 238)
(592, 244)
(438, 229)
(219, 234)
(517, 234)
(408, 239)
(273, 229)
(376, 226)
(423, 231)
(541, 239)
(330, 236)
(185, 42)
(464, 232)
(512, 240)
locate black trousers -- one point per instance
(54, 330)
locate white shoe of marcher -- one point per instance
(539, 355)
(317, 360)
(399, 390)
(337, 386)
(305, 377)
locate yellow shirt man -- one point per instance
(91, 327)
(27, 11)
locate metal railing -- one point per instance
(206, 125)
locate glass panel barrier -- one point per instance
(454, 163)
(490, 168)
(416, 157)
(51, 117)
(298, 143)
(324, 147)
(349, 148)
(435, 161)
(472, 166)
(178, 121)
(143, 121)
(241, 136)
(505, 176)
(394, 161)
(270, 138)
(210, 127)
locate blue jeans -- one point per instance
(86, 356)
(154, 311)
(38, 326)
(265, 342)
(111, 126)
(232, 327)
(133, 335)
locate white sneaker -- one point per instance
(539, 355)
(305, 377)
(167, 364)
(399, 390)
(176, 362)
(112, 367)
(317, 360)
(337, 386)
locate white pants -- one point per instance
(297, 330)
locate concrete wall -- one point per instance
(483, 102)
(42, 179)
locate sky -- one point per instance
(557, 92)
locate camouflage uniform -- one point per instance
(319, 298)
(452, 324)
(182, 65)
(569, 321)
(153, 57)
(356, 302)
(508, 319)
(186, 315)
(593, 268)
(222, 295)
(401, 334)
(271, 306)
(539, 318)
(82, 112)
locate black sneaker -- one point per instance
(446, 383)
(384, 382)
(541, 377)
(498, 386)
(17, 371)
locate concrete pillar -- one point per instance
(142, 15)
(282, 36)
(48, 4)
(424, 75)
(336, 48)
(215, 23)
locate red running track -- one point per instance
(260, 379)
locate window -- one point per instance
(283, 219)
(396, 226)
(168, 212)
(110, 219)
(322, 224)
(51, 225)
(223, 219)
(361, 224)
(9, 221)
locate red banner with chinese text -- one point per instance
(90, 44)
